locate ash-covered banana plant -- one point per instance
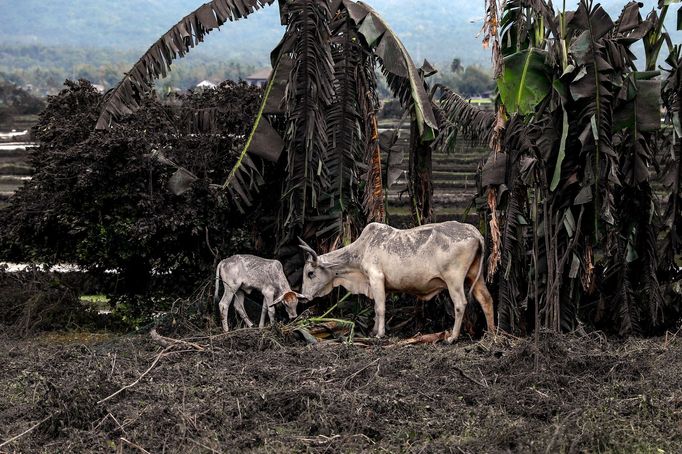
(318, 113)
(570, 200)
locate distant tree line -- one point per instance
(15, 101)
(46, 68)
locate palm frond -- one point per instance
(173, 44)
(309, 94)
(348, 133)
(459, 116)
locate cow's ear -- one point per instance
(301, 296)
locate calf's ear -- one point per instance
(278, 300)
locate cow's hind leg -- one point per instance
(482, 295)
(456, 290)
(239, 307)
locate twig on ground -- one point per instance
(356, 373)
(205, 447)
(470, 378)
(33, 427)
(156, 360)
(140, 448)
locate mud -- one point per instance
(262, 391)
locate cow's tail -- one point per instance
(481, 259)
(217, 285)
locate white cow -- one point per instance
(243, 273)
(421, 261)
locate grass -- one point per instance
(98, 302)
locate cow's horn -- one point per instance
(303, 245)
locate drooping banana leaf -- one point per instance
(401, 73)
(175, 43)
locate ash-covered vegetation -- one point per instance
(101, 200)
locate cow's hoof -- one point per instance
(451, 339)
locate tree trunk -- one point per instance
(420, 178)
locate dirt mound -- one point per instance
(263, 391)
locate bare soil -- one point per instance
(263, 391)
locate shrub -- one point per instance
(99, 199)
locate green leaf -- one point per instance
(524, 82)
(562, 152)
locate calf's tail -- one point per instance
(481, 259)
(217, 285)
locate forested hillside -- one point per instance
(99, 40)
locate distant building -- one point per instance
(259, 78)
(206, 84)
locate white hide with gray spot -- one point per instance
(242, 274)
(422, 261)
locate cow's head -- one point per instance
(318, 277)
(290, 301)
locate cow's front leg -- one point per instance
(376, 284)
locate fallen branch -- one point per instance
(421, 339)
(33, 427)
(169, 342)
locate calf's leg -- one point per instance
(268, 296)
(224, 306)
(239, 307)
(263, 310)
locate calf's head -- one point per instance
(318, 277)
(290, 301)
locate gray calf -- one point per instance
(243, 273)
